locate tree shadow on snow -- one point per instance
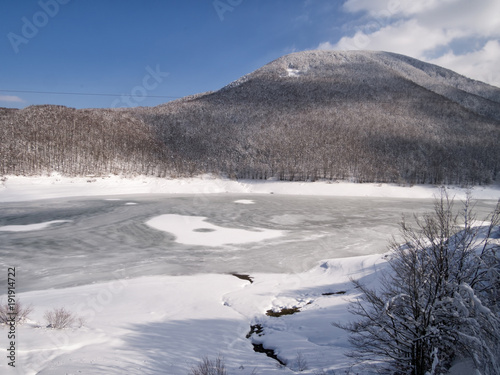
(174, 347)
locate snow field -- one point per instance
(166, 324)
(30, 227)
(194, 230)
(19, 188)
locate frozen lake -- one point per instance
(74, 241)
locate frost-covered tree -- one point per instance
(441, 300)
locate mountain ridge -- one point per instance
(427, 74)
(367, 116)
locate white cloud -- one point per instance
(481, 65)
(406, 37)
(471, 18)
(394, 7)
(422, 29)
(11, 99)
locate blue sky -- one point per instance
(141, 49)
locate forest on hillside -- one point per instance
(363, 117)
(363, 142)
(44, 139)
(335, 144)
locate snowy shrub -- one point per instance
(209, 367)
(300, 362)
(59, 318)
(440, 302)
(14, 312)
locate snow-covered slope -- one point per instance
(165, 325)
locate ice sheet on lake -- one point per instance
(104, 235)
(195, 230)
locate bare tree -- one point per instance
(300, 362)
(439, 303)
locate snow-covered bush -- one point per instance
(59, 318)
(16, 312)
(441, 300)
(209, 367)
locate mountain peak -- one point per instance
(373, 69)
(365, 116)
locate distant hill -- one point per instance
(363, 116)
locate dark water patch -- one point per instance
(203, 230)
(243, 277)
(259, 348)
(333, 293)
(284, 311)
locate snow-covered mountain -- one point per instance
(370, 67)
(361, 115)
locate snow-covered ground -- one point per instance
(29, 227)
(18, 188)
(166, 324)
(194, 230)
